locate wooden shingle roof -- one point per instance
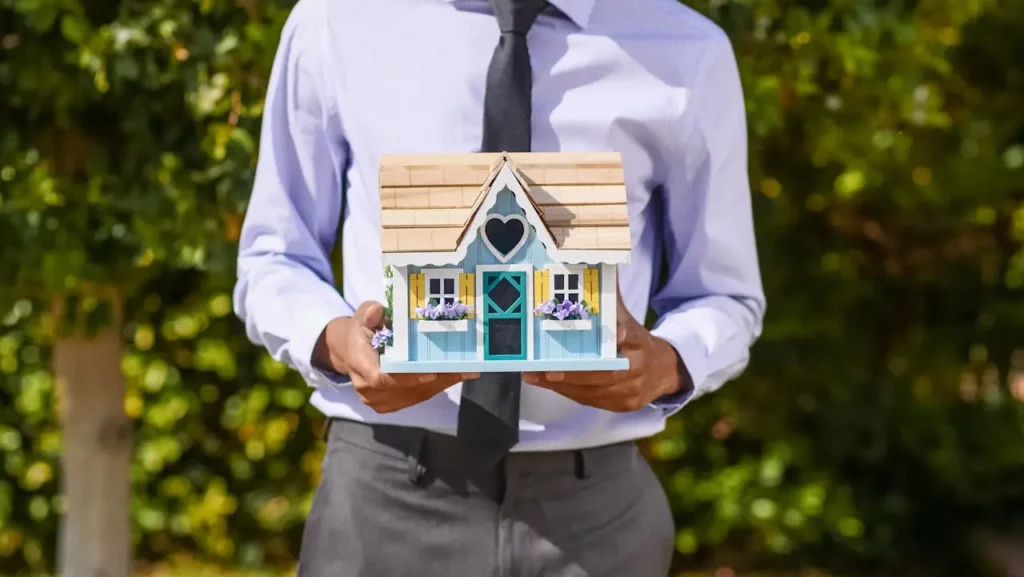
(428, 201)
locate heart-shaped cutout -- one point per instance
(504, 235)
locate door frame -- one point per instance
(517, 310)
(479, 300)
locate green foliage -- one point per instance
(877, 425)
(129, 139)
(389, 293)
(877, 428)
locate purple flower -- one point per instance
(563, 310)
(382, 338)
(454, 310)
(546, 308)
(448, 311)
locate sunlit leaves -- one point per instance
(162, 180)
(885, 152)
(888, 170)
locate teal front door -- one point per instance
(504, 315)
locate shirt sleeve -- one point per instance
(712, 305)
(285, 293)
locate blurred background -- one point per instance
(878, 431)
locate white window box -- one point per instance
(570, 325)
(443, 326)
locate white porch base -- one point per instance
(526, 365)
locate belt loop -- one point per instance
(580, 465)
(415, 457)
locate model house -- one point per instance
(503, 262)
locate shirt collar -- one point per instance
(577, 10)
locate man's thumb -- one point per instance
(625, 322)
(370, 314)
(622, 313)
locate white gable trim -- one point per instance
(506, 178)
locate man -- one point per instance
(470, 475)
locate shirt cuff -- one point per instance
(694, 359)
(309, 326)
(671, 404)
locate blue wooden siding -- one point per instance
(568, 344)
(547, 344)
(443, 346)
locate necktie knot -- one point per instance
(517, 16)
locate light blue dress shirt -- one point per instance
(651, 79)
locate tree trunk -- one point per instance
(95, 534)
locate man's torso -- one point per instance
(408, 77)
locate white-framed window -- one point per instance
(442, 285)
(566, 283)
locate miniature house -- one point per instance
(503, 262)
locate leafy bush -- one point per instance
(876, 430)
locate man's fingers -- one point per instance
(443, 380)
(592, 379)
(446, 380)
(622, 396)
(370, 314)
(576, 378)
(396, 392)
(627, 330)
(621, 318)
(406, 384)
(631, 336)
(583, 394)
(621, 311)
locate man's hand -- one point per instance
(344, 347)
(654, 371)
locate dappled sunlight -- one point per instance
(876, 431)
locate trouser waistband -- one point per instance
(438, 454)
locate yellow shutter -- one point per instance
(591, 289)
(467, 290)
(541, 283)
(416, 293)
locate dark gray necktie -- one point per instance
(489, 410)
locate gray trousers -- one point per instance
(403, 502)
